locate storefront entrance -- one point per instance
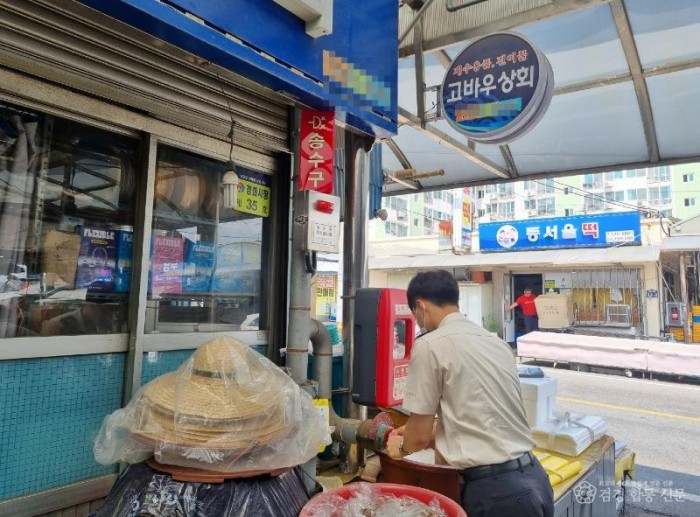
(520, 283)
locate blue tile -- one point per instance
(158, 363)
(52, 409)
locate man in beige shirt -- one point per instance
(468, 378)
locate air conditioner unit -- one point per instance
(531, 194)
(531, 213)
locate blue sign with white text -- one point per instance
(579, 231)
(497, 88)
(354, 69)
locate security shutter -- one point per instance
(68, 43)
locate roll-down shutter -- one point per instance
(67, 43)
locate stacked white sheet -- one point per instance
(569, 433)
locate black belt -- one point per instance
(474, 473)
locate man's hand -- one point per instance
(393, 444)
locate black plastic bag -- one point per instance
(141, 491)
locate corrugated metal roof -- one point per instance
(442, 28)
(626, 74)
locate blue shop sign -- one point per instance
(497, 88)
(579, 231)
(354, 69)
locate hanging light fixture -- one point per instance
(230, 180)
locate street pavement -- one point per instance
(659, 420)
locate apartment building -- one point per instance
(418, 214)
(685, 191)
(673, 190)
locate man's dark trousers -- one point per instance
(523, 492)
(531, 324)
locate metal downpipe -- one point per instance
(299, 309)
(355, 272)
(345, 428)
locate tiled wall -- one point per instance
(51, 409)
(158, 363)
(50, 412)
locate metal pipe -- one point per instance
(299, 312)
(684, 296)
(355, 221)
(323, 359)
(355, 271)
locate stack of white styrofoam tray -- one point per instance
(539, 398)
(569, 434)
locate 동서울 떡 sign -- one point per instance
(497, 89)
(580, 231)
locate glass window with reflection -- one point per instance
(207, 260)
(66, 225)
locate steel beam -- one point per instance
(396, 150)
(510, 162)
(420, 71)
(451, 143)
(405, 183)
(640, 87)
(444, 58)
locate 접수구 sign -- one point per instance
(497, 88)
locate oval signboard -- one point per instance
(497, 88)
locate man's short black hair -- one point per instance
(437, 286)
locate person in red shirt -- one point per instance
(526, 302)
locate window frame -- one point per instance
(72, 106)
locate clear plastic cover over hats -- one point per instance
(226, 409)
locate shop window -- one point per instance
(208, 262)
(66, 225)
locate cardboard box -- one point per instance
(554, 311)
(539, 398)
(60, 255)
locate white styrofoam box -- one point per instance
(539, 398)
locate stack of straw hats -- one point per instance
(227, 400)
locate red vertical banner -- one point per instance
(317, 151)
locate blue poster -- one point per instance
(579, 231)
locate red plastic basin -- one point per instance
(451, 508)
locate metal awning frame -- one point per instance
(467, 149)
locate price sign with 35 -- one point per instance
(254, 193)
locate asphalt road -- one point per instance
(659, 420)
